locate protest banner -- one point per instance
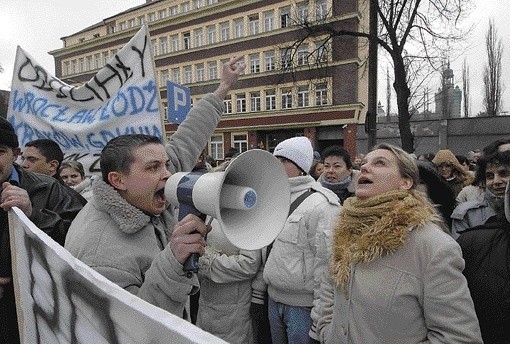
(122, 98)
(61, 300)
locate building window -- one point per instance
(270, 100)
(88, 63)
(254, 101)
(141, 20)
(152, 17)
(200, 72)
(321, 94)
(302, 12)
(96, 35)
(240, 142)
(163, 78)
(211, 34)
(254, 25)
(82, 65)
(216, 148)
(154, 47)
(285, 17)
(254, 63)
(163, 14)
(286, 98)
(186, 40)
(269, 60)
(228, 104)
(321, 9)
(163, 45)
(97, 61)
(213, 70)
(197, 3)
(106, 58)
(269, 21)
(132, 22)
(303, 94)
(67, 68)
(302, 55)
(225, 31)
(176, 75)
(239, 28)
(286, 60)
(211, 2)
(199, 38)
(175, 43)
(185, 7)
(174, 10)
(123, 26)
(241, 102)
(188, 75)
(321, 52)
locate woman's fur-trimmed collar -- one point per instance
(368, 229)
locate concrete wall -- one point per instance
(460, 135)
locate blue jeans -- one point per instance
(289, 324)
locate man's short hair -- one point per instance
(48, 148)
(117, 155)
(338, 151)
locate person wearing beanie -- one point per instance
(451, 170)
(292, 271)
(338, 175)
(49, 204)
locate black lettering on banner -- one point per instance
(73, 286)
(141, 53)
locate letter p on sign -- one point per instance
(179, 102)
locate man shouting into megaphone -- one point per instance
(127, 232)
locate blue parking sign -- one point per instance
(179, 102)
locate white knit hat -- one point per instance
(298, 150)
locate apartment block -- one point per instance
(298, 80)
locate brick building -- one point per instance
(317, 89)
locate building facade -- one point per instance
(297, 81)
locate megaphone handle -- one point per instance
(191, 264)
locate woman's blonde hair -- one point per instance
(406, 163)
(74, 165)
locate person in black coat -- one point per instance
(48, 204)
(486, 251)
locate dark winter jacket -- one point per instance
(54, 207)
(486, 251)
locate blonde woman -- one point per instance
(395, 275)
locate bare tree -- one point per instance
(414, 34)
(465, 88)
(492, 72)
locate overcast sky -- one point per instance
(37, 27)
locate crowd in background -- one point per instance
(383, 247)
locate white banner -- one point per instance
(122, 98)
(62, 300)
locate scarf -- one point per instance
(368, 229)
(341, 189)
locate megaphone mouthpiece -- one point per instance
(237, 197)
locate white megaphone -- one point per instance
(250, 199)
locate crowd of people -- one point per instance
(380, 248)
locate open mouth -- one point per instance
(364, 180)
(160, 194)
